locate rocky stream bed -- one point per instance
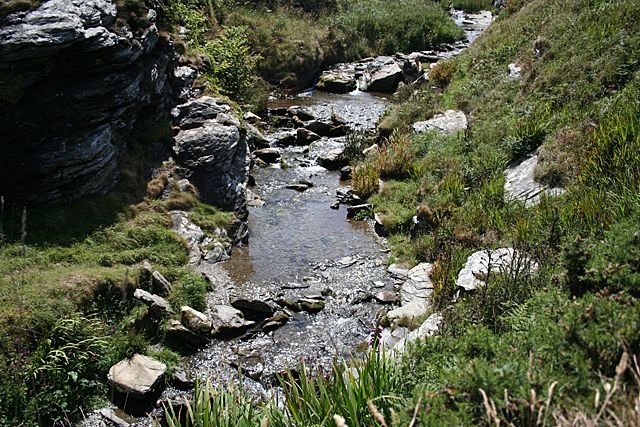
(311, 282)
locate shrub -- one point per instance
(396, 156)
(472, 6)
(356, 142)
(345, 391)
(612, 264)
(215, 407)
(188, 15)
(188, 288)
(442, 73)
(365, 179)
(233, 65)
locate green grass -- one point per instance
(383, 28)
(472, 6)
(360, 393)
(72, 293)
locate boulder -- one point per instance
(449, 122)
(252, 118)
(353, 211)
(386, 79)
(180, 380)
(408, 312)
(227, 320)
(180, 335)
(333, 160)
(140, 377)
(481, 264)
(268, 155)
(195, 321)
(387, 297)
(253, 200)
(514, 71)
(300, 113)
(305, 136)
(398, 271)
(345, 173)
(320, 128)
(255, 138)
(391, 336)
(428, 328)
(418, 285)
(284, 138)
(161, 284)
(112, 418)
(311, 305)
(212, 152)
(253, 309)
(337, 82)
(157, 305)
(195, 113)
(520, 183)
(298, 187)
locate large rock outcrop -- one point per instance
(74, 80)
(212, 152)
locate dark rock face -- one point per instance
(73, 83)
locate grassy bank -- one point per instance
(289, 46)
(558, 347)
(67, 312)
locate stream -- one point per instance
(301, 248)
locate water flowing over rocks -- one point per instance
(520, 183)
(480, 265)
(78, 84)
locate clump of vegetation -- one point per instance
(380, 27)
(233, 65)
(359, 395)
(472, 6)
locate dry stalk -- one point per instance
(377, 415)
(490, 409)
(415, 413)
(340, 421)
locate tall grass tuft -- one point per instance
(345, 391)
(213, 406)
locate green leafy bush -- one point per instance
(233, 66)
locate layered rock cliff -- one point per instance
(74, 80)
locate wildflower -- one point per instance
(375, 336)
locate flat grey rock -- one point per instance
(520, 183)
(139, 376)
(447, 123)
(481, 264)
